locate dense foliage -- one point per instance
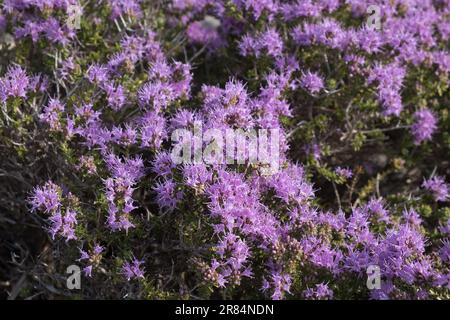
(88, 113)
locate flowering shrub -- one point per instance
(90, 117)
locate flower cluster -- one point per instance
(63, 219)
(425, 125)
(91, 258)
(132, 270)
(17, 84)
(437, 187)
(119, 190)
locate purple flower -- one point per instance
(30, 28)
(197, 176)
(83, 255)
(87, 113)
(328, 33)
(369, 40)
(163, 165)
(133, 269)
(279, 283)
(97, 74)
(15, 83)
(344, 172)
(64, 225)
(183, 119)
(298, 9)
(124, 136)
(181, 79)
(445, 229)
(203, 32)
(384, 293)
(115, 96)
(67, 67)
(320, 292)
(88, 271)
(46, 198)
(56, 222)
(377, 210)
(51, 114)
(437, 187)
(444, 251)
(290, 185)
(269, 41)
(412, 217)
(152, 129)
(119, 190)
(69, 223)
(157, 95)
(257, 7)
(168, 194)
(160, 70)
(311, 82)
(125, 7)
(98, 249)
(55, 33)
(91, 258)
(424, 126)
(248, 45)
(390, 81)
(232, 263)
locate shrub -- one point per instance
(91, 116)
